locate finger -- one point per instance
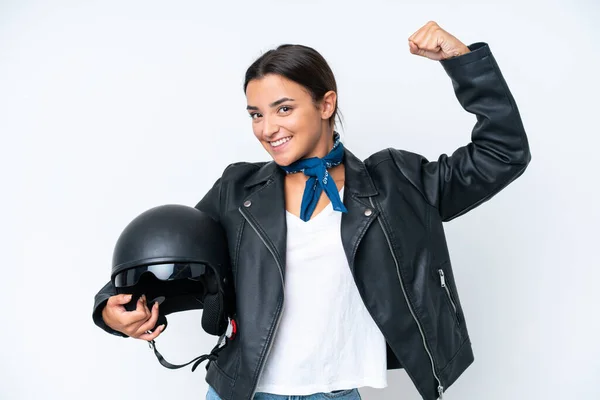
(435, 40)
(433, 55)
(412, 37)
(414, 49)
(119, 299)
(139, 308)
(416, 37)
(132, 319)
(422, 29)
(427, 40)
(419, 36)
(153, 335)
(141, 304)
(142, 307)
(137, 316)
(151, 323)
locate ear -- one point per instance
(327, 105)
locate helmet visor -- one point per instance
(164, 272)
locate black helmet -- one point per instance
(177, 255)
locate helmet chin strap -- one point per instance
(197, 361)
(223, 341)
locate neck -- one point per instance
(324, 146)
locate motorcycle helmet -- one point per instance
(177, 256)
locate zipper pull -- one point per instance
(442, 279)
(440, 392)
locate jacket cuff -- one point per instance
(478, 51)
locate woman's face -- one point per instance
(286, 121)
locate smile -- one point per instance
(279, 142)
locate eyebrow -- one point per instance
(273, 104)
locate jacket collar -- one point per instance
(358, 182)
(266, 207)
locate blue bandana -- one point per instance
(316, 169)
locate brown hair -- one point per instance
(298, 63)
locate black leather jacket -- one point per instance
(392, 235)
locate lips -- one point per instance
(280, 142)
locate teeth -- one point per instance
(280, 141)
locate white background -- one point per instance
(108, 108)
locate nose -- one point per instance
(269, 128)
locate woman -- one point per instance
(381, 295)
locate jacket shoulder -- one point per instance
(240, 172)
(393, 165)
(401, 159)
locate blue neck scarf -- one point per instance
(316, 169)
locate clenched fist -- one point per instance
(433, 42)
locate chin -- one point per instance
(282, 160)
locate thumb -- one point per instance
(414, 49)
(119, 299)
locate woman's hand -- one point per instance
(134, 323)
(434, 43)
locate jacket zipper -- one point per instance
(443, 282)
(270, 344)
(440, 388)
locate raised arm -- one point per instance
(498, 152)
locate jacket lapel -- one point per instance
(358, 187)
(264, 206)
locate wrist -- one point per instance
(460, 52)
(104, 316)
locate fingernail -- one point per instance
(155, 305)
(128, 297)
(162, 327)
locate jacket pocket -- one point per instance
(446, 287)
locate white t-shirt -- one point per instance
(326, 339)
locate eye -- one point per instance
(255, 115)
(285, 109)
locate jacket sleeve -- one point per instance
(211, 201)
(498, 152)
(99, 302)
